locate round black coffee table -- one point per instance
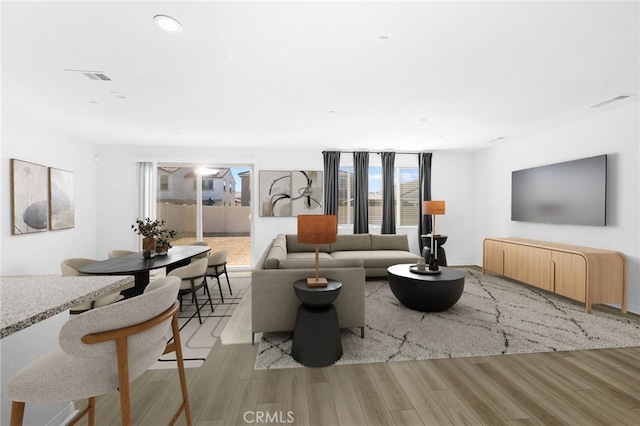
(316, 336)
(426, 293)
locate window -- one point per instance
(196, 216)
(375, 196)
(407, 184)
(405, 195)
(345, 196)
(163, 182)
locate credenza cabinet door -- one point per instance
(531, 265)
(493, 256)
(570, 275)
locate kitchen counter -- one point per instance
(27, 300)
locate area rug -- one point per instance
(198, 339)
(494, 316)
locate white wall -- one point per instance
(40, 253)
(615, 133)
(453, 174)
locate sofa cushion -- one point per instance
(293, 246)
(308, 255)
(351, 242)
(377, 258)
(323, 263)
(277, 252)
(389, 242)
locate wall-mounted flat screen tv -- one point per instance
(572, 192)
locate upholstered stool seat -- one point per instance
(58, 376)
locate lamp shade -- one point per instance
(433, 207)
(317, 229)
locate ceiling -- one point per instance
(407, 76)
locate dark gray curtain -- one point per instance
(361, 199)
(331, 172)
(388, 207)
(424, 170)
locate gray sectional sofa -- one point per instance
(377, 252)
(351, 259)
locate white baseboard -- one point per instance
(63, 417)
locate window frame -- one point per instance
(346, 177)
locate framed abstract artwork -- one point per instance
(29, 197)
(306, 192)
(61, 199)
(290, 193)
(275, 193)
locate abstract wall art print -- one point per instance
(275, 193)
(306, 192)
(29, 197)
(61, 200)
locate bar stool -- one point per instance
(101, 350)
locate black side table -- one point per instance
(316, 336)
(426, 250)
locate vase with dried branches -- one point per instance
(154, 234)
(163, 240)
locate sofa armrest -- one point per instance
(274, 303)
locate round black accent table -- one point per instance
(426, 293)
(316, 336)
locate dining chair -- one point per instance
(201, 243)
(192, 278)
(217, 265)
(69, 268)
(118, 253)
(101, 351)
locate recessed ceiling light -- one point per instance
(382, 40)
(168, 23)
(118, 95)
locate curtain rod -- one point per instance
(377, 152)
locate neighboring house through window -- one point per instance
(405, 195)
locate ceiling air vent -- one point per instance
(96, 76)
(610, 101)
(499, 138)
(93, 75)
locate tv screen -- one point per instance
(573, 192)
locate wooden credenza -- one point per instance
(585, 274)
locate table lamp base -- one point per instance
(320, 282)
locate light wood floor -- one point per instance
(594, 387)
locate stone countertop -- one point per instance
(27, 300)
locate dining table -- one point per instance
(137, 265)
